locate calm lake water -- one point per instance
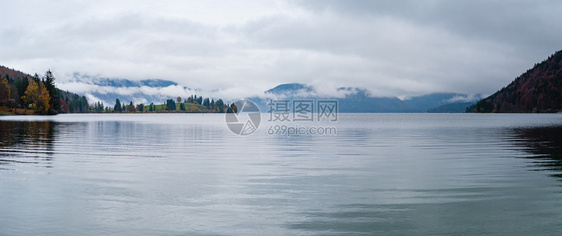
(188, 174)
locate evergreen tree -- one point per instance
(170, 105)
(49, 81)
(207, 103)
(36, 78)
(98, 107)
(117, 107)
(232, 109)
(21, 86)
(130, 107)
(81, 104)
(220, 105)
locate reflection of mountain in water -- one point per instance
(546, 145)
(27, 142)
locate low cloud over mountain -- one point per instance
(96, 88)
(351, 99)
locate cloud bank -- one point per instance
(237, 49)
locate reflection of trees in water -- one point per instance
(546, 144)
(27, 142)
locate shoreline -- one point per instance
(16, 112)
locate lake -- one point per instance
(188, 174)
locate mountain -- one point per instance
(358, 100)
(537, 90)
(430, 101)
(350, 99)
(107, 90)
(361, 101)
(120, 83)
(12, 74)
(293, 89)
(458, 107)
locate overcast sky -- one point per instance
(392, 48)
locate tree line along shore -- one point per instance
(23, 94)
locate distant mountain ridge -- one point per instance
(122, 82)
(292, 88)
(359, 100)
(537, 90)
(458, 107)
(351, 99)
(107, 90)
(427, 102)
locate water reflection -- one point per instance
(449, 176)
(545, 143)
(27, 142)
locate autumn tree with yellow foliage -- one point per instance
(37, 97)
